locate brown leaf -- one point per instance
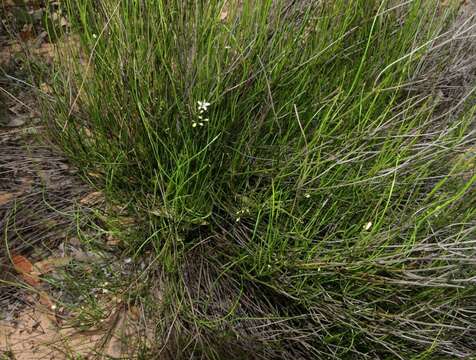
(25, 268)
(27, 32)
(112, 240)
(5, 197)
(22, 264)
(134, 312)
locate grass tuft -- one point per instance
(302, 172)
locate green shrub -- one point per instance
(302, 169)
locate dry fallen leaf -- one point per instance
(5, 197)
(94, 174)
(22, 264)
(25, 268)
(92, 198)
(27, 32)
(134, 312)
(112, 240)
(44, 87)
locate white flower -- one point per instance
(368, 225)
(203, 105)
(95, 36)
(200, 122)
(307, 196)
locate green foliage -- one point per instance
(323, 185)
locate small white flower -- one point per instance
(194, 124)
(307, 196)
(95, 36)
(128, 260)
(203, 105)
(205, 120)
(238, 219)
(200, 123)
(368, 225)
(53, 307)
(227, 47)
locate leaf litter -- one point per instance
(38, 191)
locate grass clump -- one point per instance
(302, 171)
